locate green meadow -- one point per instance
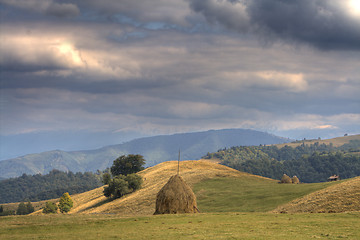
(248, 194)
(184, 226)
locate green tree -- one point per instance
(22, 209)
(106, 178)
(65, 203)
(1, 209)
(135, 181)
(118, 187)
(127, 164)
(50, 207)
(29, 207)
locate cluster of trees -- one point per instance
(312, 163)
(123, 178)
(22, 209)
(65, 205)
(52, 185)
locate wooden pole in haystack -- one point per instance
(178, 172)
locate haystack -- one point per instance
(285, 179)
(175, 197)
(295, 180)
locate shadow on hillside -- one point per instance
(98, 204)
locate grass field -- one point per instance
(233, 205)
(248, 194)
(192, 226)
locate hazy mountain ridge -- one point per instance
(154, 149)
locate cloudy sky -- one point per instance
(87, 73)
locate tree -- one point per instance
(65, 203)
(118, 187)
(127, 164)
(1, 209)
(135, 181)
(29, 207)
(106, 178)
(21, 210)
(50, 207)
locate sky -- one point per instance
(85, 74)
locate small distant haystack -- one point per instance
(295, 180)
(175, 197)
(285, 179)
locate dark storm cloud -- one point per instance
(62, 10)
(320, 23)
(46, 7)
(157, 66)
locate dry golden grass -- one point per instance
(337, 142)
(343, 197)
(142, 202)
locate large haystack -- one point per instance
(285, 179)
(175, 197)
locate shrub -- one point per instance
(135, 181)
(117, 187)
(50, 207)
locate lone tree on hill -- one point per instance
(65, 203)
(127, 164)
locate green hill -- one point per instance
(218, 189)
(310, 161)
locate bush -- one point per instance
(50, 207)
(65, 203)
(135, 181)
(118, 187)
(122, 185)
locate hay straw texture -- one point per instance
(285, 179)
(175, 197)
(295, 180)
(343, 197)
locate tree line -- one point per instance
(311, 163)
(52, 185)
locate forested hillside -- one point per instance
(154, 149)
(311, 162)
(42, 187)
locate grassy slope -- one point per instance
(142, 202)
(338, 198)
(218, 189)
(337, 142)
(248, 194)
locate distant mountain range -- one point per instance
(154, 149)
